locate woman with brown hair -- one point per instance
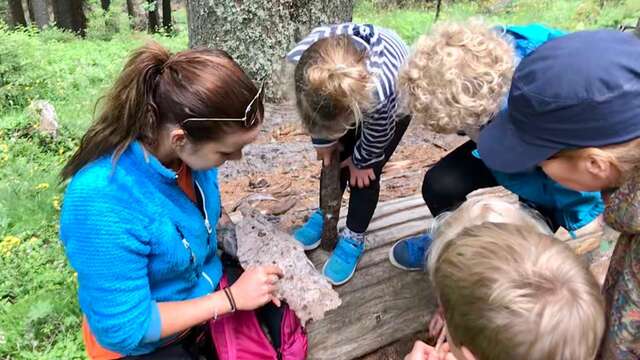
(139, 215)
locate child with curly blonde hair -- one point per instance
(457, 77)
(345, 84)
(455, 81)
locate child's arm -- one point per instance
(378, 128)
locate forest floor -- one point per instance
(282, 165)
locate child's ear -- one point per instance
(598, 166)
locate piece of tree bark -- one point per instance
(271, 27)
(153, 19)
(167, 22)
(330, 201)
(40, 12)
(304, 289)
(17, 12)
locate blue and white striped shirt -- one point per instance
(386, 53)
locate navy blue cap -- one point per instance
(579, 90)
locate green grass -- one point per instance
(39, 315)
(570, 15)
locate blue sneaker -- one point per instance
(310, 234)
(343, 261)
(410, 254)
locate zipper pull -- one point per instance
(188, 247)
(207, 224)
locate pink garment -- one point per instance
(238, 336)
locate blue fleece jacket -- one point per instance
(135, 239)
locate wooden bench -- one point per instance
(381, 303)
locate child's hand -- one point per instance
(358, 177)
(422, 351)
(326, 153)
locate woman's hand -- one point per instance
(256, 287)
(358, 177)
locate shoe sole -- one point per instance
(343, 281)
(393, 262)
(310, 247)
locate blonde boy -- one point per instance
(509, 290)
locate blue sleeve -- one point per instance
(155, 325)
(571, 209)
(107, 244)
(527, 38)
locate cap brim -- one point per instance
(502, 149)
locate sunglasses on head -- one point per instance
(249, 117)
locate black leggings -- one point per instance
(363, 201)
(446, 185)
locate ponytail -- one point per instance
(128, 110)
(331, 80)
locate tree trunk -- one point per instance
(271, 27)
(62, 14)
(32, 18)
(330, 201)
(69, 15)
(40, 12)
(131, 12)
(131, 9)
(167, 23)
(153, 17)
(17, 12)
(79, 20)
(105, 4)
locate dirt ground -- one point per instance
(282, 165)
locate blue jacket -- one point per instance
(571, 209)
(136, 239)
